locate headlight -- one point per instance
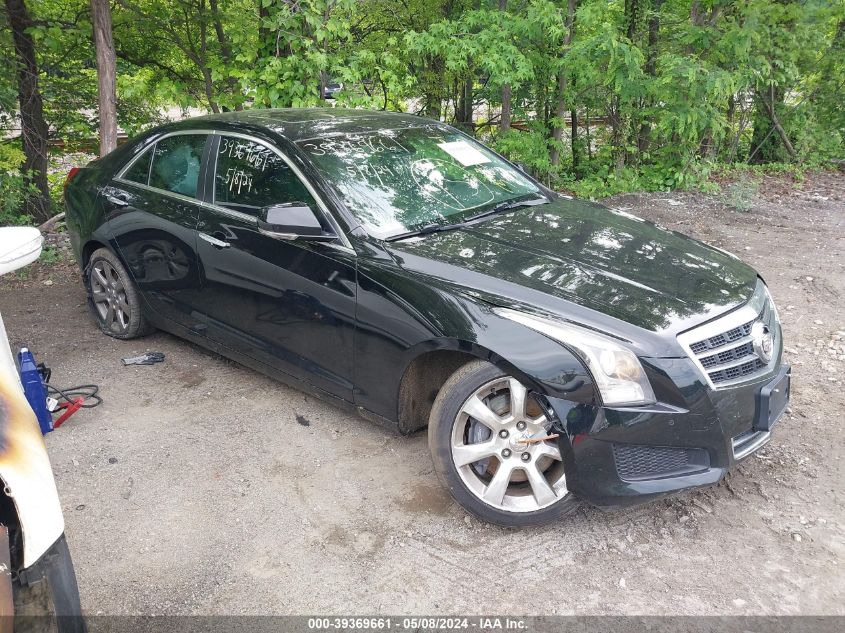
(615, 369)
(772, 305)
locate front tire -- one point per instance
(485, 435)
(50, 605)
(113, 299)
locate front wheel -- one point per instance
(51, 603)
(486, 436)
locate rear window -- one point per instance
(176, 163)
(140, 169)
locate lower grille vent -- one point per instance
(635, 462)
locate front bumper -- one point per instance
(618, 457)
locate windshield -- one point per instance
(395, 181)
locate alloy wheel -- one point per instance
(499, 450)
(108, 293)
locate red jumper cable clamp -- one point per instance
(70, 408)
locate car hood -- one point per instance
(585, 254)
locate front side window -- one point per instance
(140, 169)
(176, 163)
(250, 176)
(395, 181)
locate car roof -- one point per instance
(297, 124)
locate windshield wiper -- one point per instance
(507, 205)
(428, 229)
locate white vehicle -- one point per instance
(38, 579)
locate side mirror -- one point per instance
(291, 221)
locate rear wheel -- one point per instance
(113, 298)
(486, 435)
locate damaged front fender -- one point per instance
(25, 470)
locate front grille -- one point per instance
(722, 358)
(724, 348)
(635, 462)
(722, 339)
(737, 371)
(729, 355)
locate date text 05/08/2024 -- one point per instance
(480, 623)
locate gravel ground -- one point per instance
(202, 487)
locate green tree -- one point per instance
(33, 124)
(598, 95)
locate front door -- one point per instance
(152, 215)
(288, 304)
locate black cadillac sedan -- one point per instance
(556, 350)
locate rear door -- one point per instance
(153, 212)
(288, 304)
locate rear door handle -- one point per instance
(214, 241)
(116, 200)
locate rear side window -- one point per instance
(140, 169)
(250, 176)
(176, 163)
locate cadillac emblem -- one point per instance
(763, 341)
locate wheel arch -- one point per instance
(429, 366)
(88, 250)
(94, 244)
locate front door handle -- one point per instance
(214, 241)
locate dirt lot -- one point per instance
(199, 486)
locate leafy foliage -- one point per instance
(602, 95)
(13, 187)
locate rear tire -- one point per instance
(113, 298)
(477, 435)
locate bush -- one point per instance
(13, 188)
(740, 195)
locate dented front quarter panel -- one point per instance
(24, 464)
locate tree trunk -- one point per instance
(653, 37)
(765, 147)
(617, 130)
(433, 108)
(225, 49)
(468, 105)
(573, 139)
(730, 112)
(704, 18)
(773, 117)
(560, 115)
(560, 110)
(463, 107)
(104, 44)
(644, 137)
(632, 15)
(208, 86)
(265, 43)
(201, 60)
(33, 126)
(324, 82)
(505, 121)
